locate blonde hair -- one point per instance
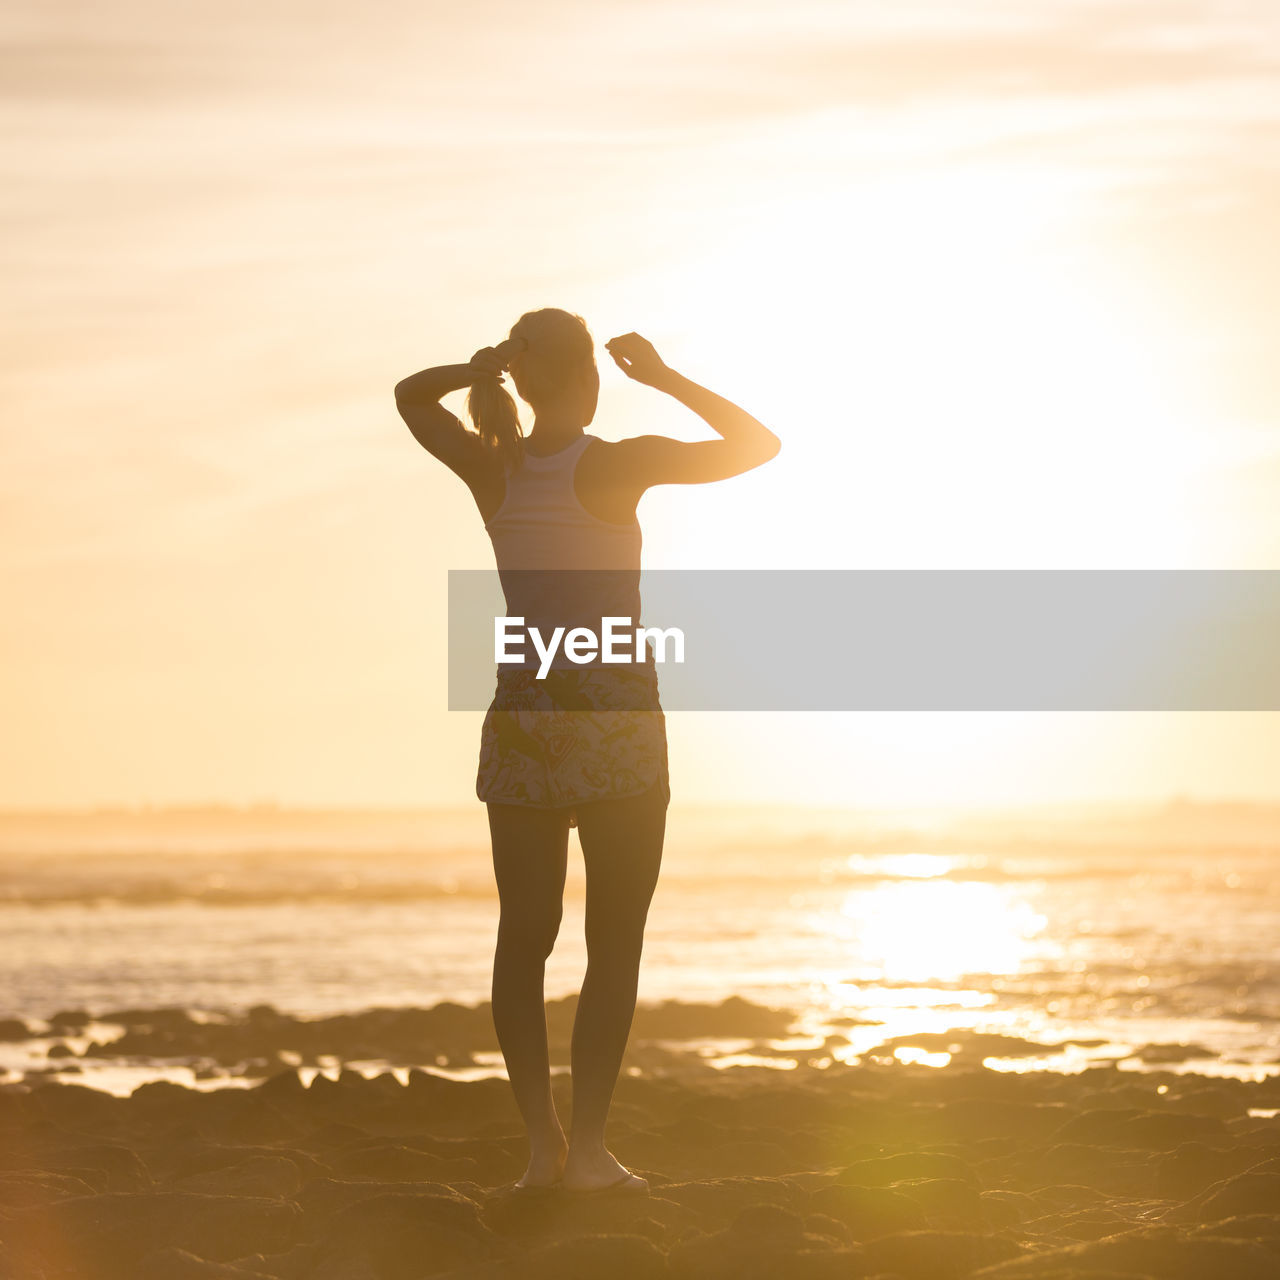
(556, 346)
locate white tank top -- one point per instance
(541, 525)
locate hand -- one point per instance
(636, 357)
(491, 361)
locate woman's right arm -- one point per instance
(437, 430)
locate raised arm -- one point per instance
(437, 430)
(648, 460)
(473, 457)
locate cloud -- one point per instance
(632, 64)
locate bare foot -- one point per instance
(595, 1170)
(545, 1167)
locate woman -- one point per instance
(584, 747)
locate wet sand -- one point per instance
(878, 1169)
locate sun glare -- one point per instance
(938, 930)
(978, 390)
(915, 866)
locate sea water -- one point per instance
(1098, 937)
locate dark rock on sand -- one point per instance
(200, 1157)
(1160, 1253)
(946, 1200)
(110, 1234)
(594, 1257)
(1086, 1165)
(883, 1171)
(70, 1020)
(869, 1212)
(1173, 1052)
(717, 1201)
(75, 1106)
(1008, 1208)
(760, 1244)
(876, 1170)
(1260, 1227)
(179, 1264)
(402, 1236)
(33, 1188)
(1193, 1167)
(962, 1042)
(1246, 1193)
(542, 1218)
(254, 1041)
(969, 1119)
(936, 1255)
(392, 1162)
(1139, 1130)
(259, 1175)
(97, 1166)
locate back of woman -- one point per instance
(580, 744)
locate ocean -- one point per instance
(1150, 938)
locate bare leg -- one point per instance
(622, 848)
(530, 853)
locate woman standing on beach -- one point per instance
(584, 747)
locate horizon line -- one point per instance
(1145, 804)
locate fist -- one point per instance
(491, 361)
(636, 357)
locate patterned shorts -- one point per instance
(573, 737)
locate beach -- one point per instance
(900, 381)
(811, 1167)
(259, 1044)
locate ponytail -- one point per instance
(556, 345)
(497, 420)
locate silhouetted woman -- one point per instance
(584, 747)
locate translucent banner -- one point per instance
(883, 640)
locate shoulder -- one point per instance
(629, 464)
(631, 455)
(637, 446)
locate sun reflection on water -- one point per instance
(938, 930)
(920, 1057)
(914, 866)
(921, 953)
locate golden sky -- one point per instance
(1001, 275)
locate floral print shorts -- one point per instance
(573, 737)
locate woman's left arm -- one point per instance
(648, 460)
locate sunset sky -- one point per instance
(1002, 276)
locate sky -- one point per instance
(1000, 275)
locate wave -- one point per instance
(162, 895)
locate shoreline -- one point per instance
(117, 1050)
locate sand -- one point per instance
(822, 1170)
